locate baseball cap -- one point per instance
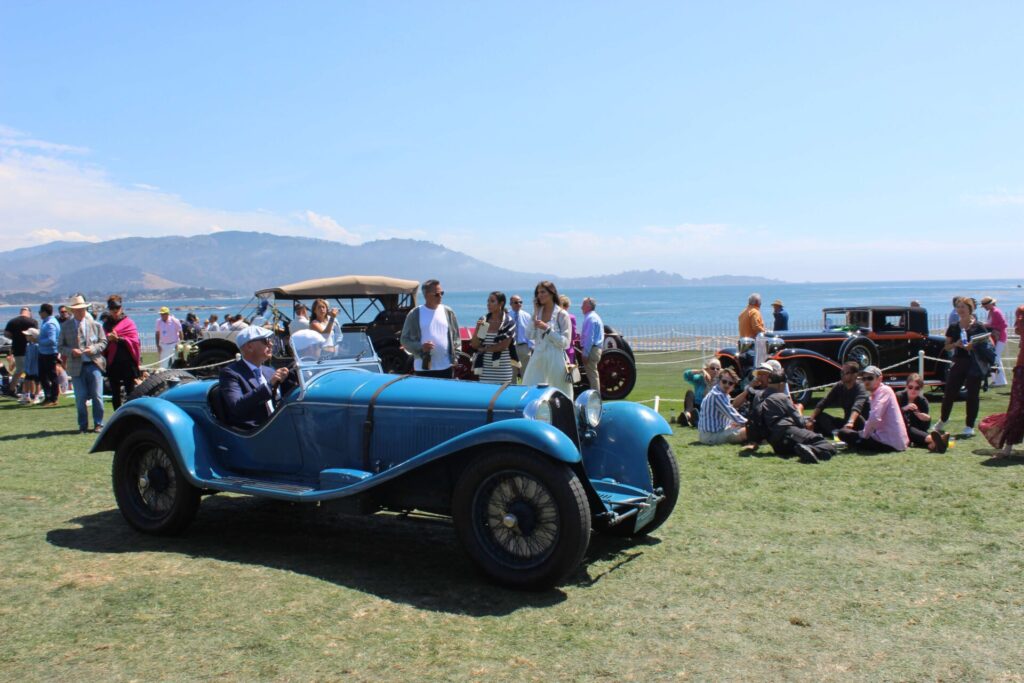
(871, 371)
(164, 309)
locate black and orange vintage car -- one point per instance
(869, 335)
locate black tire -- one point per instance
(209, 357)
(523, 518)
(618, 374)
(159, 382)
(151, 491)
(860, 352)
(799, 376)
(664, 475)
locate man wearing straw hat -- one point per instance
(83, 342)
(781, 322)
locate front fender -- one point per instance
(539, 436)
(188, 445)
(815, 358)
(618, 447)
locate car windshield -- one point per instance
(311, 349)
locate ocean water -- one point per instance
(697, 310)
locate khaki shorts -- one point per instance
(731, 435)
(19, 366)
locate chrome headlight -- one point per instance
(745, 344)
(539, 410)
(589, 407)
(774, 344)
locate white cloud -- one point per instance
(1000, 197)
(46, 196)
(330, 228)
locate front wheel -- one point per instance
(149, 486)
(799, 378)
(523, 519)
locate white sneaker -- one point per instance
(940, 426)
(968, 431)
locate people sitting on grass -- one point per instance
(702, 380)
(850, 395)
(779, 420)
(719, 422)
(884, 430)
(914, 408)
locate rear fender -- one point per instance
(617, 449)
(188, 445)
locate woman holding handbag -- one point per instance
(551, 333)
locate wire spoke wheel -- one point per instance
(522, 517)
(519, 517)
(149, 485)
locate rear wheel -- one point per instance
(861, 353)
(523, 518)
(211, 357)
(149, 486)
(618, 374)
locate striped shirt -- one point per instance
(495, 371)
(717, 413)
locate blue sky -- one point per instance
(803, 141)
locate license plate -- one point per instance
(645, 516)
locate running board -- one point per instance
(247, 485)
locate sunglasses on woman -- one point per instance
(727, 382)
(916, 387)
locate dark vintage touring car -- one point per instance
(868, 335)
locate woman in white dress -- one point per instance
(551, 333)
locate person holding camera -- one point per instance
(551, 332)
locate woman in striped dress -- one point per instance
(493, 361)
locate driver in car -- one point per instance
(251, 391)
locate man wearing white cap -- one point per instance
(248, 388)
(168, 334)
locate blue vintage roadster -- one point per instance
(524, 471)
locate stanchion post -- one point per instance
(657, 403)
(920, 363)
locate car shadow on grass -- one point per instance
(412, 560)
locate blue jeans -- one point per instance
(89, 385)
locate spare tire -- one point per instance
(159, 382)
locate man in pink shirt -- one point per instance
(996, 323)
(884, 430)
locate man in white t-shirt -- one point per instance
(168, 334)
(431, 334)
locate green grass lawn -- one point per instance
(888, 567)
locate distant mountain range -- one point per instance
(238, 263)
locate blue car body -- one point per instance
(370, 441)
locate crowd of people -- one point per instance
(874, 417)
(511, 345)
(71, 347)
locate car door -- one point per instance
(891, 336)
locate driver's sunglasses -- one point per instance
(726, 382)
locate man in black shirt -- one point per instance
(15, 331)
(850, 395)
(779, 419)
